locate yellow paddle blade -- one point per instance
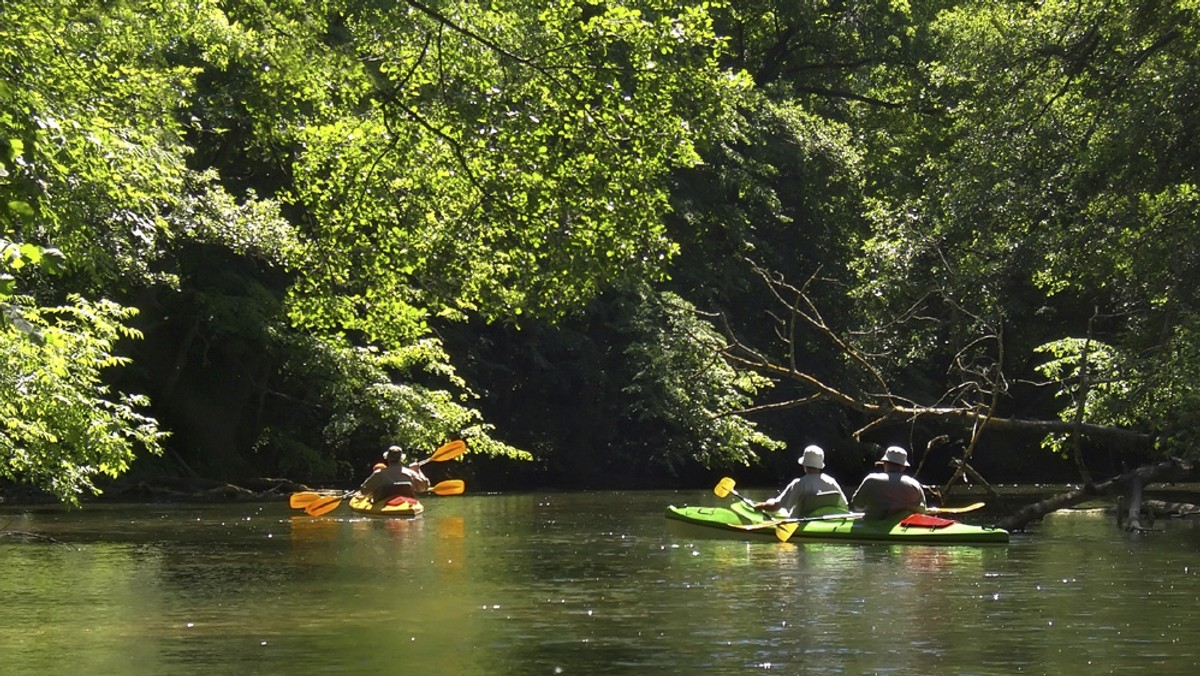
(724, 487)
(323, 505)
(449, 451)
(449, 487)
(784, 530)
(302, 499)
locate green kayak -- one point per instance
(740, 521)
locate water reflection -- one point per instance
(583, 583)
(305, 530)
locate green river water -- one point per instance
(576, 583)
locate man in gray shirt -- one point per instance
(891, 491)
(813, 490)
(395, 478)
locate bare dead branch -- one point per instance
(813, 318)
(885, 406)
(780, 406)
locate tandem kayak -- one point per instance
(741, 521)
(399, 505)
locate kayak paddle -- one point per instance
(447, 451)
(771, 524)
(449, 487)
(776, 523)
(303, 499)
(328, 503)
(954, 510)
(784, 529)
(724, 488)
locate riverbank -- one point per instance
(163, 489)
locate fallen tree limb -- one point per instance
(28, 536)
(1172, 469)
(1159, 508)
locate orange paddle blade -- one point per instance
(448, 451)
(323, 505)
(449, 487)
(302, 499)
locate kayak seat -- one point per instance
(400, 488)
(825, 502)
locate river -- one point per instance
(576, 583)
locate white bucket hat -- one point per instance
(395, 452)
(896, 456)
(813, 457)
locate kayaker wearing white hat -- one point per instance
(891, 491)
(814, 489)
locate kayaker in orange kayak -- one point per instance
(395, 478)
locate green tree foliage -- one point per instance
(85, 94)
(317, 205)
(63, 426)
(681, 398)
(301, 194)
(507, 158)
(636, 385)
(371, 398)
(502, 161)
(1056, 186)
(1068, 120)
(83, 173)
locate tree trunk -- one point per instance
(1129, 511)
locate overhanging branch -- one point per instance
(885, 406)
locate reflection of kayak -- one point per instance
(399, 505)
(743, 522)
